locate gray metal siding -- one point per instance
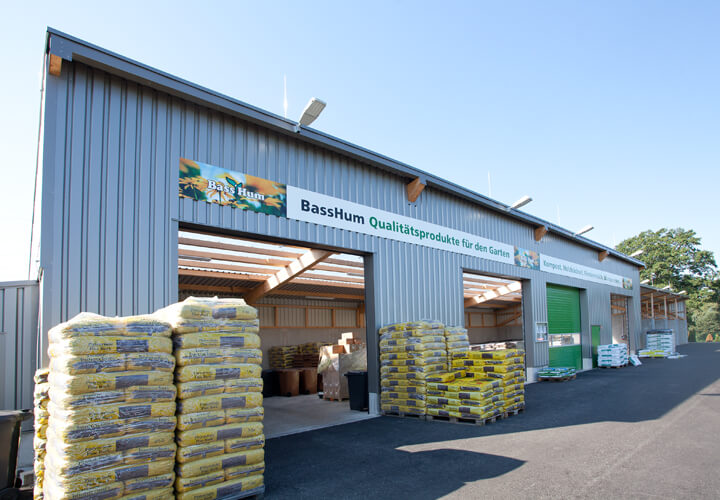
(109, 244)
(18, 343)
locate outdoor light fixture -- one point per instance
(644, 282)
(520, 203)
(584, 230)
(636, 253)
(310, 113)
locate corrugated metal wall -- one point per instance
(18, 343)
(109, 244)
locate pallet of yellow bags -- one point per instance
(220, 438)
(110, 409)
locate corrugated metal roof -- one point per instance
(71, 48)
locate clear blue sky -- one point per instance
(605, 112)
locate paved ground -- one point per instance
(649, 431)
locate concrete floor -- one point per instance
(285, 416)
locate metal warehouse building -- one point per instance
(120, 229)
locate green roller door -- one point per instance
(563, 305)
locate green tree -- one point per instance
(674, 257)
(706, 322)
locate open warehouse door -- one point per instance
(493, 311)
(311, 307)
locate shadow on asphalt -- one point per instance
(329, 462)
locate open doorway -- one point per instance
(311, 307)
(493, 311)
(620, 319)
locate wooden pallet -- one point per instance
(620, 366)
(464, 420)
(335, 399)
(403, 414)
(512, 413)
(556, 379)
(253, 494)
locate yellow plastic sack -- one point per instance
(214, 355)
(141, 484)
(189, 421)
(94, 363)
(149, 394)
(427, 324)
(199, 451)
(109, 345)
(390, 356)
(395, 327)
(239, 415)
(156, 494)
(73, 433)
(97, 382)
(501, 354)
(244, 471)
(415, 362)
(220, 402)
(206, 388)
(78, 482)
(244, 443)
(217, 372)
(219, 463)
(455, 330)
(408, 403)
(187, 326)
(441, 377)
(394, 408)
(409, 389)
(434, 346)
(206, 307)
(148, 324)
(418, 371)
(508, 388)
(185, 484)
(388, 395)
(425, 339)
(53, 491)
(223, 489)
(228, 431)
(101, 413)
(505, 376)
(63, 466)
(101, 447)
(464, 384)
(397, 382)
(237, 340)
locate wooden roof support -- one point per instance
(296, 267)
(55, 65)
(414, 188)
(291, 293)
(540, 231)
(515, 286)
(603, 255)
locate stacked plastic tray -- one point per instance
(409, 354)
(111, 412)
(220, 405)
(613, 355)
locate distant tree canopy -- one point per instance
(674, 257)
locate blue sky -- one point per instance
(606, 113)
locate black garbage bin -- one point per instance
(358, 389)
(10, 422)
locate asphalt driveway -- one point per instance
(640, 432)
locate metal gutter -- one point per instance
(74, 49)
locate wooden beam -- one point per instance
(494, 293)
(55, 65)
(236, 248)
(184, 252)
(414, 188)
(327, 277)
(292, 293)
(225, 267)
(603, 255)
(219, 275)
(212, 288)
(295, 268)
(507, 321)
(540, 231)
(337, 284)
(343, 262)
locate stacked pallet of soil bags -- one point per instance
(409, 354)
(506, 367)
(282, 356)
(612, 355)
(111, 410)
(220, 405)
(41, 398)
(464, 397)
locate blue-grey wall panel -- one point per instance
(111, 210)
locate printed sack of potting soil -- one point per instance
(53, 491)
(155, 494)
(505, 376)
(395, 327)
(426, 324)
(63, 466)
(188, 421)
(415, 362)
(72, 433)
(434, 353)
(236, 340)
(141, 484)
(134, 394)
(402, 395)
(209, 308)
(425, 339)
(220, 402)
(210, 387)
(214, 355)
(386, 382)
(435, 346)
(80, 481)
(406, 389)
(96, 363)
(244, 471)
(393, 408)
(99, 447)
(244, 443)
(188, 326)
(408, 403)
(224, 489)
(228, 431)
(101, 413)
(500, 354)
(92, 325)
(219, 463)
(100, 382)
(108, 345)
(217, 372)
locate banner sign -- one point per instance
(203, 182)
